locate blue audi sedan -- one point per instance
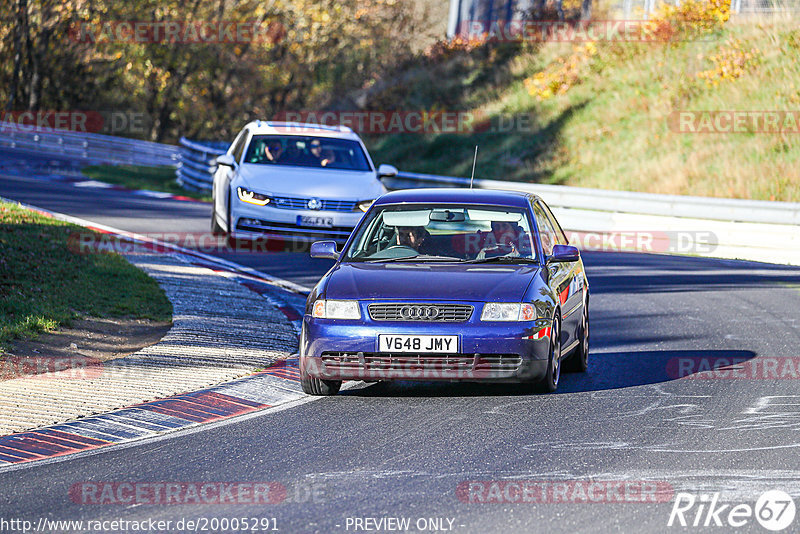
(448, 284)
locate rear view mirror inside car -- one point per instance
(447, 216)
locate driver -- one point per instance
(416, 237)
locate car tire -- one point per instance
(578, 362)
(550, 381)
(216, 229)
(317, 386)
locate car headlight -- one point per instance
(251, 197)
(336, 309)
(508, 311)
(364, 205)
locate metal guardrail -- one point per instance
(88, 147)
(198, 163)
(718, 209)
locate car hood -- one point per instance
(310, 182)
(431, 281)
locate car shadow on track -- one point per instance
(610, 370)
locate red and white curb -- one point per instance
(278, 384)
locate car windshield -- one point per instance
(429, 233)
(307, 151)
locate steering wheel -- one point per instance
(395, 251)
(400, 247)
(501, 249)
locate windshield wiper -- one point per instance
(386, 260)
(503, 259)
(429, 257)
(418, 257)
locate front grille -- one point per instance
(445, 313)
(339, 233)
(499, 362)
(409, 365)
(298, 203)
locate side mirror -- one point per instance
(324, 250)
(226, 160)
(564, 253)
(387, 171)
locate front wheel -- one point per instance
(550, 382)
(216, 229)
(317, 386)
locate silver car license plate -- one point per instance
(318, 222)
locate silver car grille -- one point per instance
(297, 203)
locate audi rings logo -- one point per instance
(420, 313)
(314, 204)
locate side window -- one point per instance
(560, 235)
(547, 233)
(239, 147)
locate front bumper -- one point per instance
(249, 222)
(488, 351)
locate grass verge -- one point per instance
(44, 284)
(138, 177)
(604, 116)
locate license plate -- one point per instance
(310, 220)
(402, 343)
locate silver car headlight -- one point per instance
(336, 309)
(364, 205)
(251, 197)
(508, 311)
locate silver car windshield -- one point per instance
(444, 233)
(307, 151)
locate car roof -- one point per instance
(300, 128)
(517, 199)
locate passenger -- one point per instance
(505, 238)
(315, 148)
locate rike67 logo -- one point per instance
(774, 510)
